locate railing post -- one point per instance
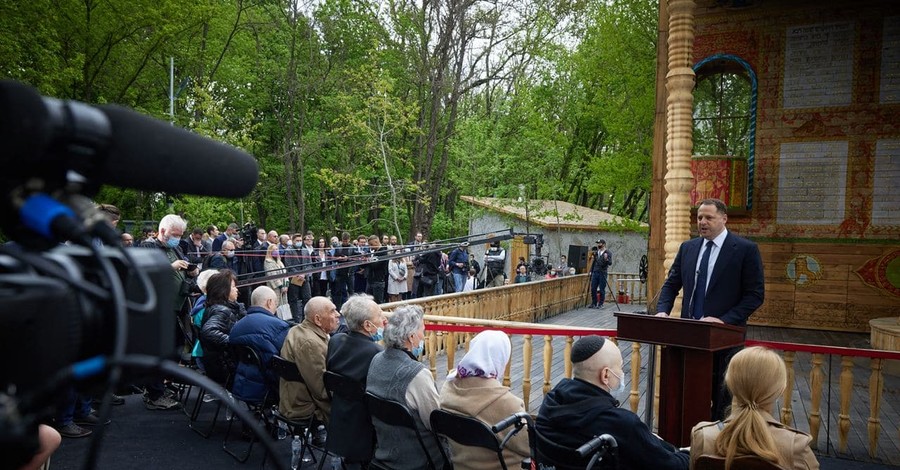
(635, 396)
(548, 361)
(450, 349)
(526, 372)
(815, 389)
(876, 381)
(846, 392)
(432, 355)
(787, 413)
(567, 356)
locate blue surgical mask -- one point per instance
(172, 242)
(418, 350)
(379, 334)
(621, 387)
(230, 253)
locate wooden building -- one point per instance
(790, 112)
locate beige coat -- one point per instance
(793, 445)
(489, 401)
(305, 345)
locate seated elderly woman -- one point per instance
(474, 390)
(756, 377)
(396, 374)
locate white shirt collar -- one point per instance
(720, 239)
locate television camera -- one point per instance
(75, 307)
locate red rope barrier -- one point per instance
(521, 331)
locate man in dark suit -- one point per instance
(351, 434)
(721, 276)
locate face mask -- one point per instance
(621, 387)
(379, 334)
(172, 242)
(274, 253)
(290, 244)
(418, 350)
(230, 254)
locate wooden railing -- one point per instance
(526, 302)
(447, 335)
(629, 285)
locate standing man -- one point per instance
(417, 274)
(495, 264)
(343, 277)
(211, 233)
(459, 266)
(599, 268)
(721, 276)
(563, 268)
(377, 271)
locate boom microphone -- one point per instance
(65, 140)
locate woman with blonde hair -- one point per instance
(756, 377)
(274, 266)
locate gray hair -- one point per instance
(356, 310)
(260, 295)
(171, 222)
(405, 321)
(203, 278)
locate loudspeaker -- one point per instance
(578, 258)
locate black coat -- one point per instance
(575, 411)
(353, 436)
(214, 333)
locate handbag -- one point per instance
(284, 312)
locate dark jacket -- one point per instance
(350, 354)
(736, 284)
(378, 271)
(265, 333)
(602, 262)
(214, 336)
(575, 411)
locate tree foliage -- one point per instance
(364, 115)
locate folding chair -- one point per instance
(349, 390)
(467, 431)
(287, 370)
(249, 356)
(394, 413)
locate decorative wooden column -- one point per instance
(679, 130)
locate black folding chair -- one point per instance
(467, 431)
(394, 413)
(248, 356)
(549, 454)
(349, 390)
(287, 370)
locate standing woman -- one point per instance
(222, 312)
(397, 285)
(322, 277)
(756, 377)
(274, 266)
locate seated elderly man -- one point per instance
(578, 409)
(397, 374)
(306, 345)
(349, 354)
(261, 330)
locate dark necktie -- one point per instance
(700, 287)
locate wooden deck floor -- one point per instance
(888, 452)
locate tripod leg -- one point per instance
(615, 299)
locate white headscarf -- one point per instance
(487, 357)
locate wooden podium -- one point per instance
(685, 379)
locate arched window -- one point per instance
(724, 130)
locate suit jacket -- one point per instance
(736, 284)
(350, 432)
(793, 445)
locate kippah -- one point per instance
(586, 347)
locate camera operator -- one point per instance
(171, 228)
(602, 260)
(495, 261)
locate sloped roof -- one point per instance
(549, 213)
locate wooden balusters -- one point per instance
(787, 413)
(567, 356)
(548, 361)
(635, 396)
(506, 380)
(846, 392)
(876, 383)
(526, 370)
(431, 345)
(815, 389)
(450, 349)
